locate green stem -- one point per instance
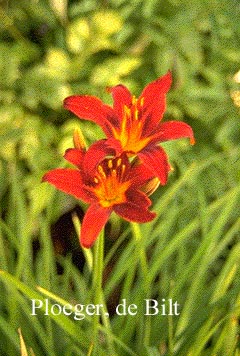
(144, 331)
(98, 295)
(98, 255)
(170, 335)
(142, 256)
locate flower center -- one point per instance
(130, 133)
(109, 185)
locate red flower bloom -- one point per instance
(107, 184)
(135, 124)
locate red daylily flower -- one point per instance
(134, 125)
(107, 184)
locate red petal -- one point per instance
(115, 145)
(157, 88)
(138, 198)
(121, 96)
(155, 158)
(68, 181)
(171, 130)
(95, 154)
(75, 156)
(139, 174)
(93, 109)
(93, 222)
(133, 212)
(154, 102)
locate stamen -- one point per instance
(119, 161)
(126, 110)
(101, 171)
(121, 173)
(136, 114)
(110, 164)
(134, 100)
(111, 187)
(123, 137)
(142, 101)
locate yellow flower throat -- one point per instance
(130, 132)
(109, 184)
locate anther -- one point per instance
(127, 111)
(121, 174)
(110, 164)
(95, 180)
(119, 161)
(136, 114)
(101, 171)
(134, 100)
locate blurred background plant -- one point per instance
(50, 49)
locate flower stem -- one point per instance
(98, 295)
(145, 329)
(98, 255)
(142, 256)
(98, 267)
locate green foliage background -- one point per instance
(50, 49)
